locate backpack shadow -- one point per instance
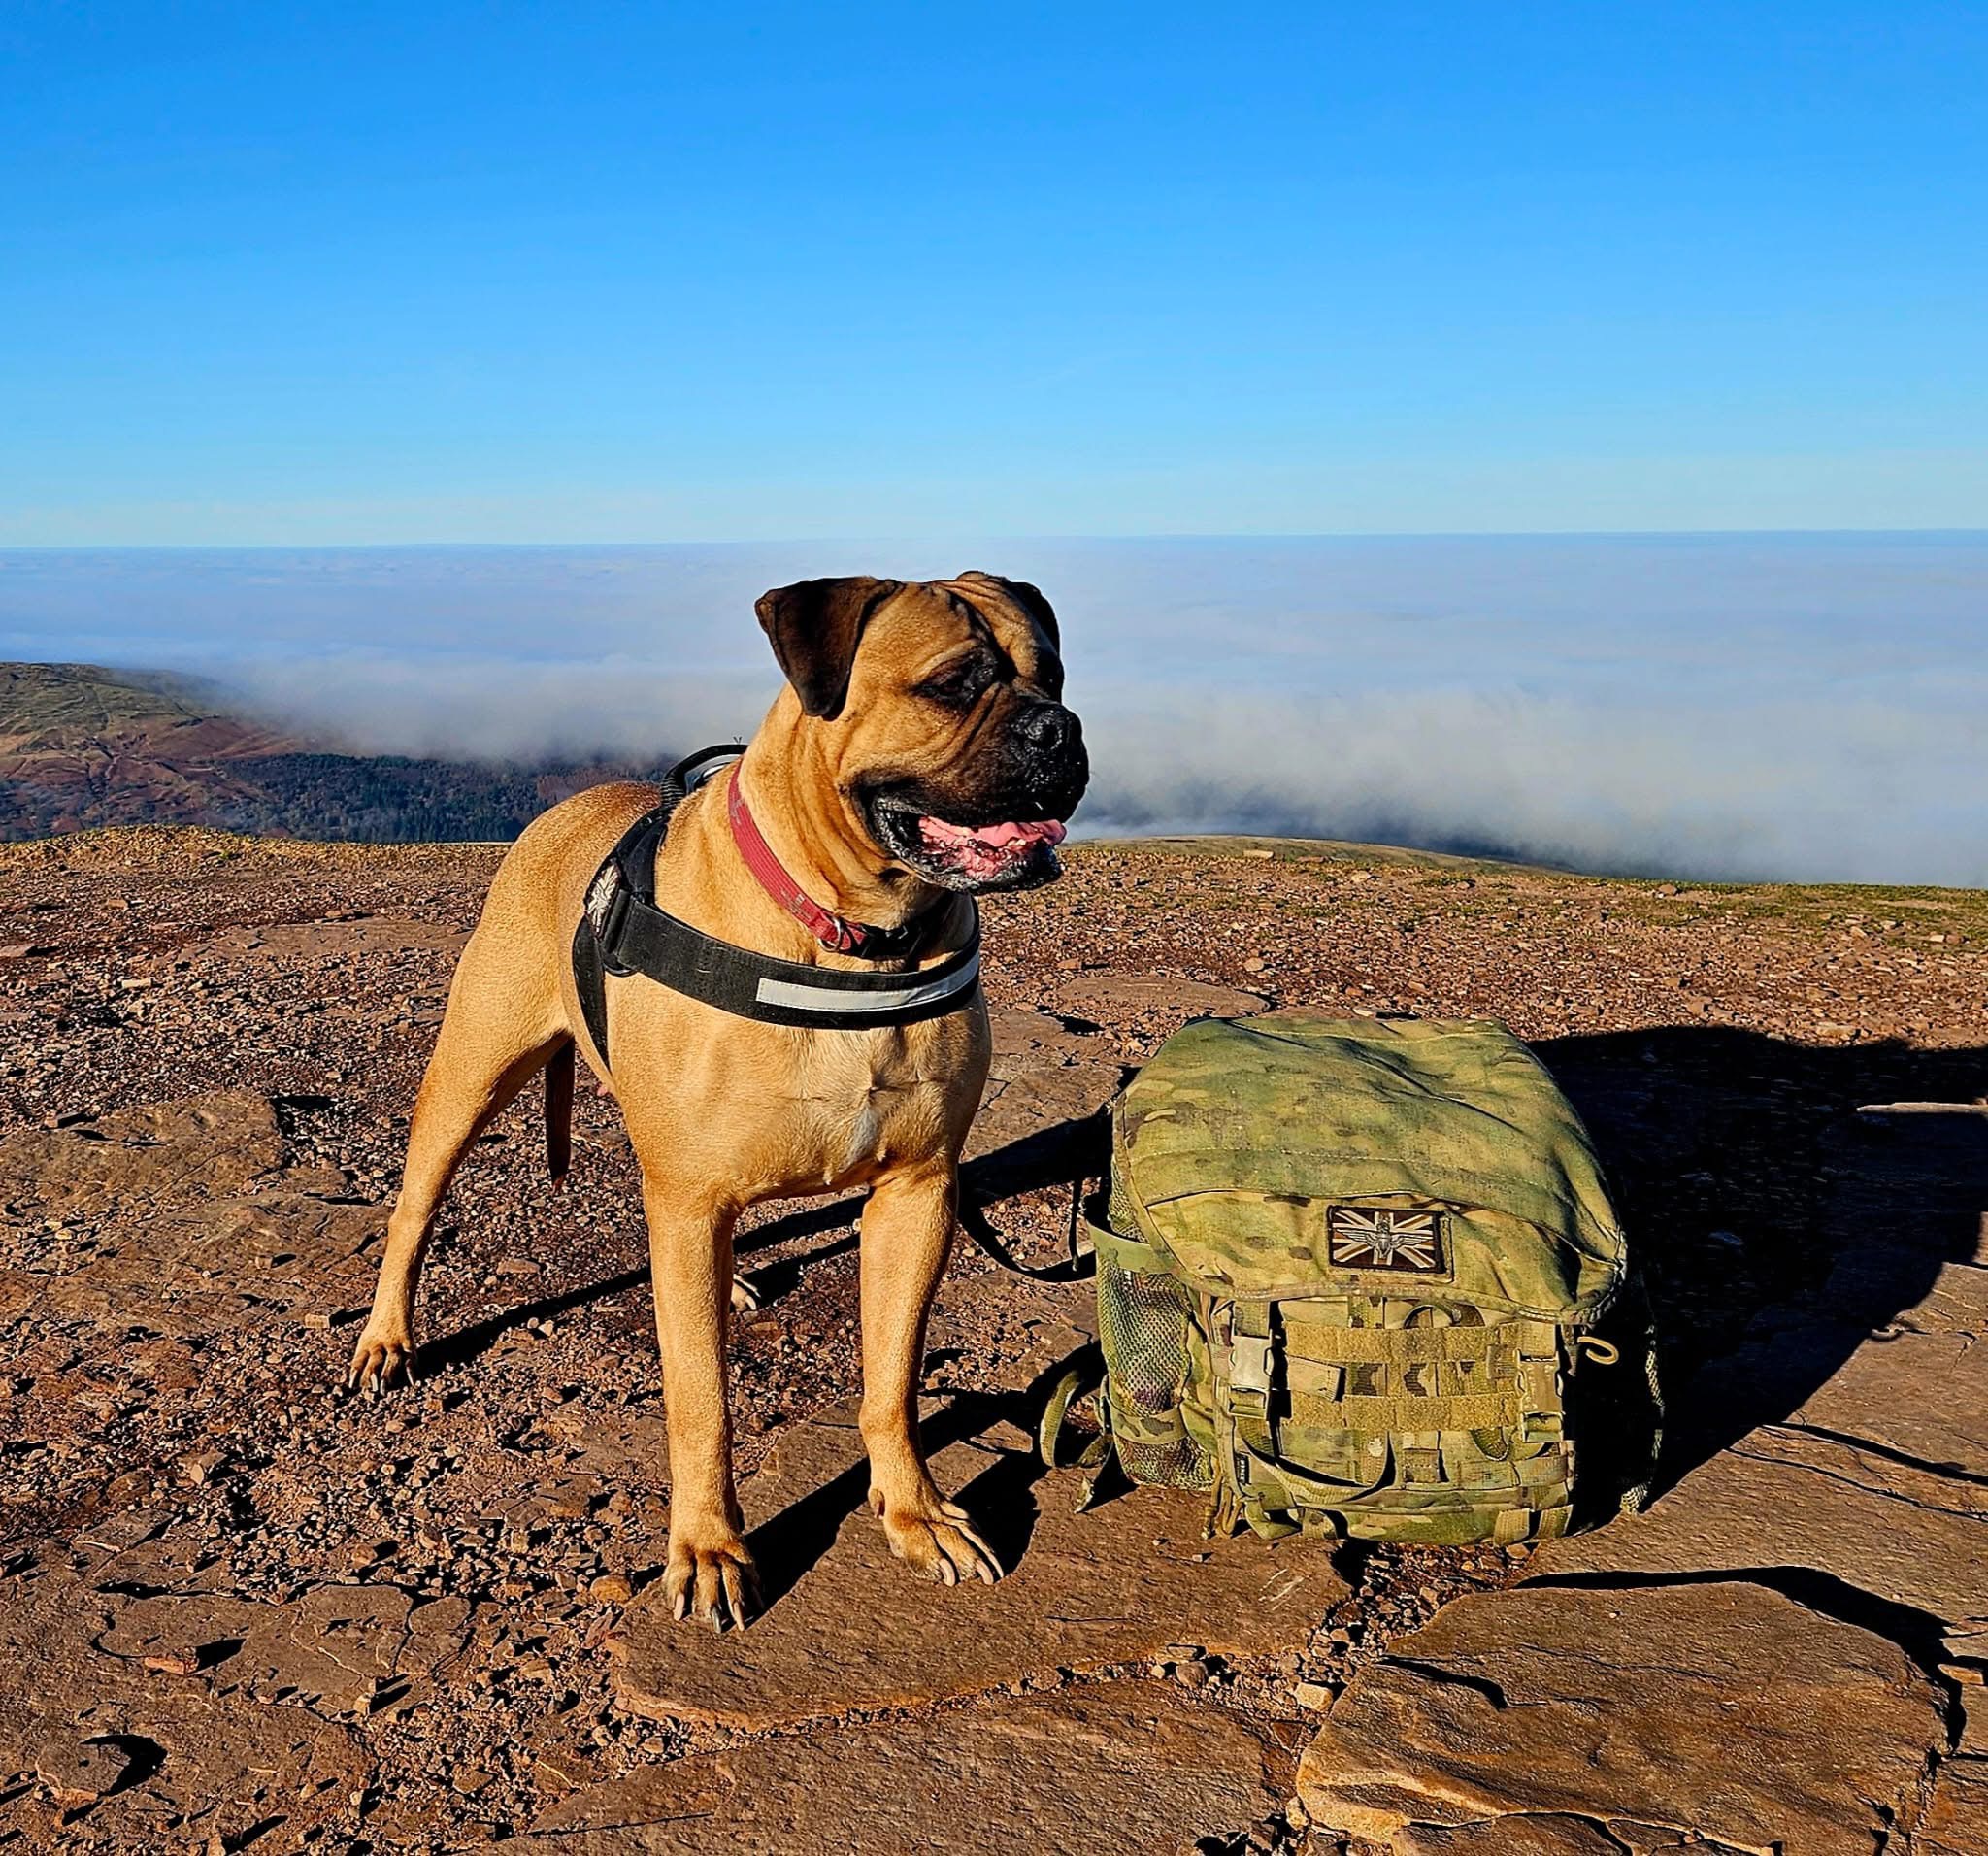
(1776, 1227)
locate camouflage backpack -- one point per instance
(1360, 1277)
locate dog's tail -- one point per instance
(559, 1112)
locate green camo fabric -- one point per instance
(1351, 1277)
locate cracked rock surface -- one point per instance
(1113, 1586)
(1136, 1766)
(242, 1610)
(1721, 1709)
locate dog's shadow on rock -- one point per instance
(1775, 1225)
(1067, 1155)
(1000, 1501)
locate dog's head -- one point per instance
(937, 707)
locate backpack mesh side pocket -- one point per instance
(1145, 1324)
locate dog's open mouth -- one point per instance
(1011, 853)
(985, 852)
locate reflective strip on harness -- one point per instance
(875, 999)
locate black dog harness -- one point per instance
(622, 931)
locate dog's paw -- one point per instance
(933, 1537)
(714, 1583)
(381, 1353)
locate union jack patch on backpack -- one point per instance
(1380, 1237)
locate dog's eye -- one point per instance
(959, 685)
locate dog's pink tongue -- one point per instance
(1038, 831)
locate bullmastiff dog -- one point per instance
(920, 751)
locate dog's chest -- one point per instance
(872, 1097)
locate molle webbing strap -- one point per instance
(1249, 1375)
(1392, 1347)
(1466, 1411)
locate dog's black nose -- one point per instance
(1050, 730)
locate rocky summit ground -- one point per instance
(240, 1609)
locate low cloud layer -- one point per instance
(1725, 706)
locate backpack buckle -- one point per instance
(1249, 1366)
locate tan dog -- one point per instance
(920, 725)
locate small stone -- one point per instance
(1192, 1673)
(1314, 1695)
(611, 1588)
(562, 1772)
(80, 1771)
(173, 1662)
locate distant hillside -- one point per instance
(80, 745)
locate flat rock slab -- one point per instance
(1159, 994)
(849, 1627)
(338, 1650)
(1127, 1769)
(1957, 1822)
(195, 1149)
(1878, 1480)
(1721, 1709)
(1548, 1834)
(1911, 1191)
(179, 1217)
(1039, 1119)
(273, 1256)
(151, 1757)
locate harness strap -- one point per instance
(621, 931)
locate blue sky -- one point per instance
(283, 274)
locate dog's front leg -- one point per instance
(710, 1573)
(907, 1236)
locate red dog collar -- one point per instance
(830, 929)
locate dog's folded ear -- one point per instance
(815, 626)
(1020, 593)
